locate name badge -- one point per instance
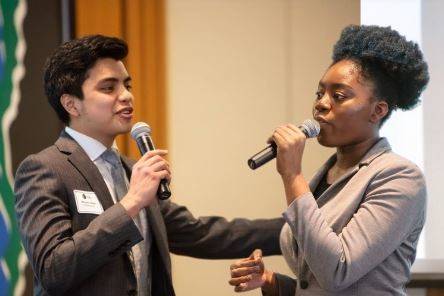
(87, 202)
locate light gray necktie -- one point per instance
(139, 252)
(117, 172)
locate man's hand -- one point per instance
(145, 179)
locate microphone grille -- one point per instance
(139, 129)
(311, 128)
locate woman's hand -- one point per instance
(249, 273)
(290, 142)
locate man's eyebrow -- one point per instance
(114, 79)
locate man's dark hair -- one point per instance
(395, 66)
(66, 69)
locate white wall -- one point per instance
(404, 129)
(236, 70)
(433, 44)
(417, 134)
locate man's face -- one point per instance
(107, 106)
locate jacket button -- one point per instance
(304, 284)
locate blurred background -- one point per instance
(213, 78)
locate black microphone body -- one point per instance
(263, 156)
(145, 144)
(309, 127)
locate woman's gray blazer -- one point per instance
(359, 237)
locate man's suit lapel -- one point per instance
(80, 160)
(155, 221)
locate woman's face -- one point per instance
(344, 106)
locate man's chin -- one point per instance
(125, 127)
(121, 131)
(124, 132)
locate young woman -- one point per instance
(354, 228)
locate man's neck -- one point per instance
(107, 141)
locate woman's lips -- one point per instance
(321, 120)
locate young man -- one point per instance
(89, 218)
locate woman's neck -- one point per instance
(350, 155)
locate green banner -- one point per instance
(12, 50)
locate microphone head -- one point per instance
(310, 128)
(139, 129)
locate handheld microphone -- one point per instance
(309, 127)
(141, 133)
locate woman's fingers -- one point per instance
(294, 128)
(247, 274)
(244, 263)
(238, 272)
(242, 288)
(239, 280)
(257, 254)
(279, 139)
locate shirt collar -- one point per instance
(92, 147)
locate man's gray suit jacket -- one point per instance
(74, 253)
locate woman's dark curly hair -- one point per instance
(395, 66)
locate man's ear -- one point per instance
(380, 110)
(70, 103)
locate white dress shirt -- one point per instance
(94, 150)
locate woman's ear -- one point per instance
(380, 110)
(69, 102)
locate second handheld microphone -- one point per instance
(309, 127)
